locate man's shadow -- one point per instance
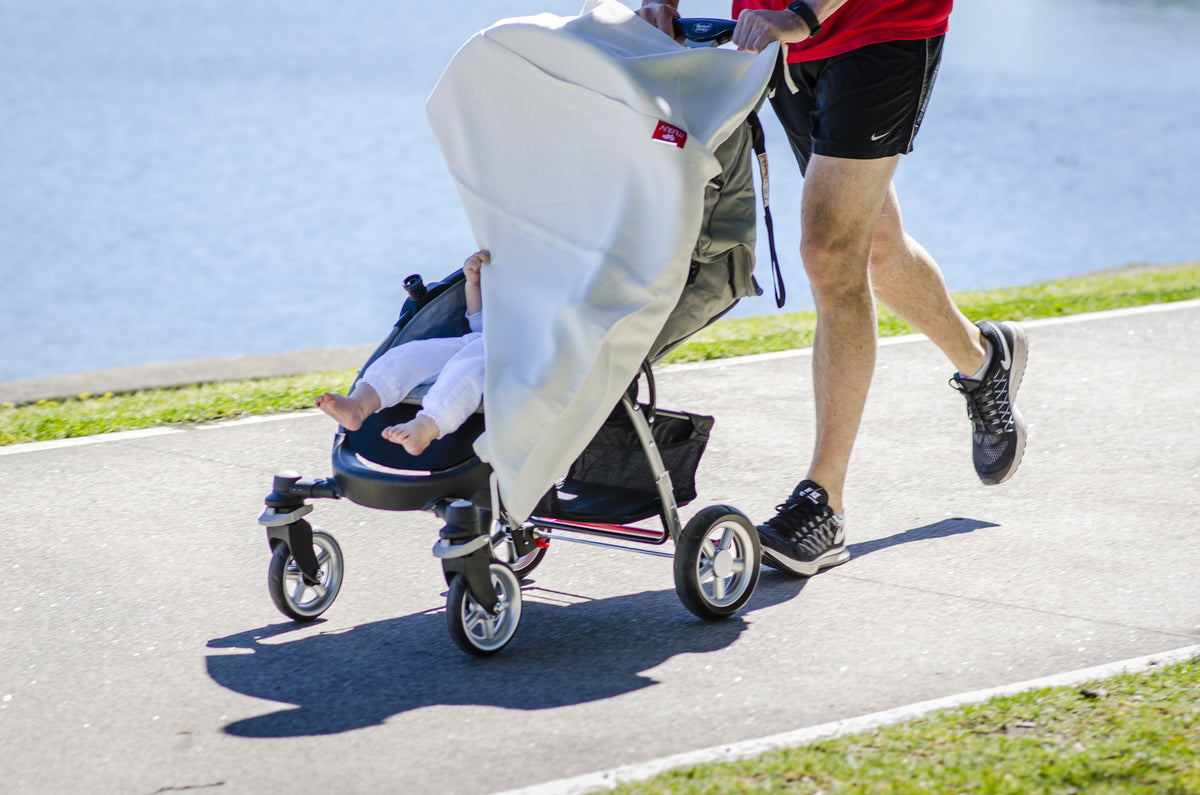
(568, 650)
(942, 529)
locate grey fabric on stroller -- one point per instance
(722, 266)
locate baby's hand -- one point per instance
(474, 263)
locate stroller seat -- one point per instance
(376, 473)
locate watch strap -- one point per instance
(802, 10)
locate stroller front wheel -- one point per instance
(476, 630)
(296, 598)
(717, 562)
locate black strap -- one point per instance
(802, 10)
(760, 149)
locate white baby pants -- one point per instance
(453, 364)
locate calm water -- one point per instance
(222, 177)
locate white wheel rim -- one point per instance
(723, 568)
(307, 599)
(489, 631)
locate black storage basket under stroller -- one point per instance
(612, 481)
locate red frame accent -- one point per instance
(636, 533)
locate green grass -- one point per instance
(1134, 733)
(86, 415)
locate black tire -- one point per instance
(296, 599)
(717, 562)
(473, 628)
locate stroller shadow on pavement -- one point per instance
(359, 677)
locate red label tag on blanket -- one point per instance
(670, 134)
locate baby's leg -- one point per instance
(452, 398)
(414, 435)
(351, 410)
(398, 371)
(389, 378)
(457, 391)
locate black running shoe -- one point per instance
(805, 535)
(997, 430)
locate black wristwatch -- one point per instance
(801, 9)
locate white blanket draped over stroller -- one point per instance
(580, 148)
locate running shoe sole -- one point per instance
(834, 557)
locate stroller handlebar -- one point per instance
(713, 32)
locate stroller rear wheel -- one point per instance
(505, 546)
(717, 562)
(474, 629)
(296, 598)
(525, 564)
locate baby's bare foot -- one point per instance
(414, 436)
(346, 410)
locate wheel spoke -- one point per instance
(482, 625)
(705, 571)
(473, 619)
(489, 623)
(726, 540)
(298, 591)
(718, 587)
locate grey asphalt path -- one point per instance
(140, 652)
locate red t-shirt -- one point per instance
(862, 22)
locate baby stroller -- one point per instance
(575, 447)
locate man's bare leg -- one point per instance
(841, 207)
(351, 410)
(907, 280)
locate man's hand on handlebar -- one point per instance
(756, 29)
(661, 14)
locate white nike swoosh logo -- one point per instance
(1006, 362)
(880, 136)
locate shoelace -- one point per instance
(814, 534)
(785, 520)
(983, 409)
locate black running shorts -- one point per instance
(864, 104)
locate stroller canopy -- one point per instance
(580, 148)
